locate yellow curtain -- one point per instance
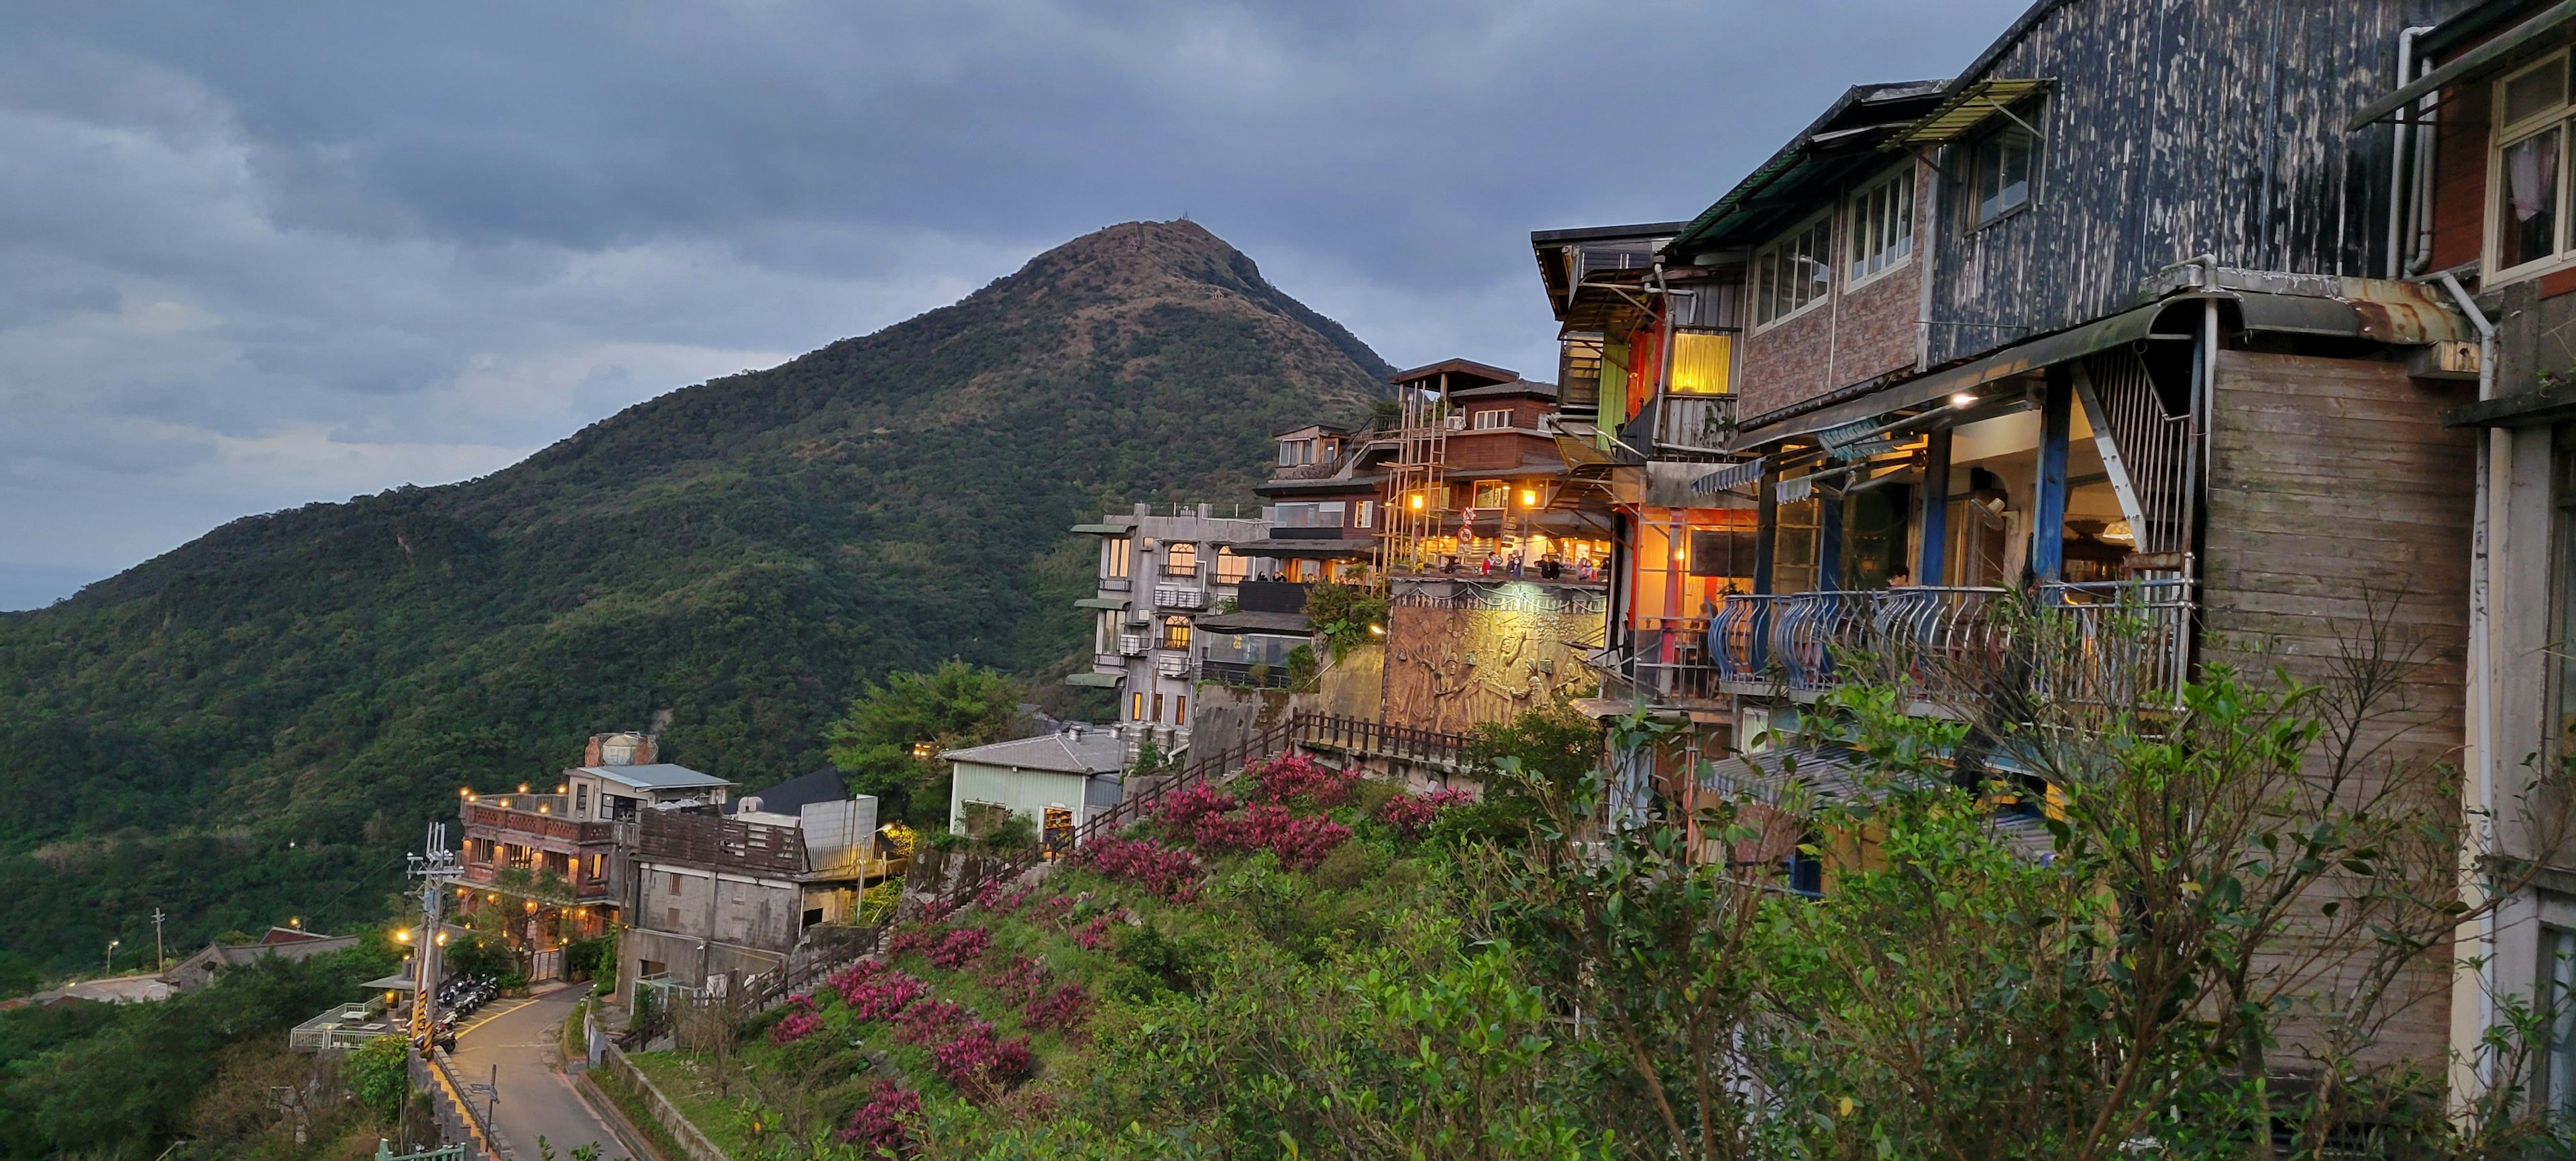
(1701, 362)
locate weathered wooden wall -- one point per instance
(2178, 128)
(2333, 485)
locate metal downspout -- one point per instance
(2481, 683)
(2400, 206)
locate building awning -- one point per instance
(1968, 108)
(1316, 549)
(1283, 624)
(2117, 330)
(1101, 603)
(2402, 314)
(1103, 529)
(2494, 56)
(392, 983)
(1093, 680)
(1731, 478)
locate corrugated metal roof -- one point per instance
(656, 776)
(1969, 107)
(1095, 752)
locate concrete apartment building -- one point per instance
(1159, 572)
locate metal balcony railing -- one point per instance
(2109, 643)
(1179, 597)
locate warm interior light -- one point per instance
(1529, 498)
(1962, 399)
(1417, 500)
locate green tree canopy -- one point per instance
(889, 742)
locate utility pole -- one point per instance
(160, 958)
(435, 867)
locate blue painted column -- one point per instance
(1829, 540)
(2048, 520)
(1766, 527)
(1932, 563)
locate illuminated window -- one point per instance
(1180, 558)
(1136, 709)
(1176, 632)
(1702, 363)
(1180, 709)
(1492, 494)
(1231, 569)
(1117, 553)
(1158, 707)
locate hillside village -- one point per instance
(2031, 483)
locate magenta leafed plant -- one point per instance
(1093, 934)
(981, 1066)
(1296, 775)
(1024, 980)
(799, 1023)
(1189, 805)
(882, 1127)
(928, 1020)
(1410, 814)
(1001, 897)
(1169, 873)
(882, 995)
(960, 947)
(1300, 841)
(1062, 1008)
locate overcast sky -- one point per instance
(254, 255)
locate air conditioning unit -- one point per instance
(1134, 644)
(1455, 423)
(1172, 664)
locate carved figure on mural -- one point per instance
(1459, 663)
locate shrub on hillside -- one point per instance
(1412, 814)
(928, 1020)
(980, 1065)
(881, 1127)
(1292, 776)
(1169, 873)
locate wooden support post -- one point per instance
(1829, 541)
(1931, 566)
(2048, 520)
(1766, 526)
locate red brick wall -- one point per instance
(1477, 451)
(1856, 335)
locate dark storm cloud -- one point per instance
(263, 253)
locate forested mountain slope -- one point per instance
(256, 724)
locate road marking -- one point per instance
(495, 1015)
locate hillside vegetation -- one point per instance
(256, 724)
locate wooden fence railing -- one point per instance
(1350, 735)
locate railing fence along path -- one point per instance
(1351, 735)
(454, 1110)
(2111, 642)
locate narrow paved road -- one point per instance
(515, 1041)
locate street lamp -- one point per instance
(112, 945)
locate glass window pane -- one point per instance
(2527, 215)
(2536, 92)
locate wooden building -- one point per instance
(2105, 320)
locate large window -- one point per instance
(1296, 452)
(1231, 569)
(2000, 170)
(2531, 165)
(2557, 1003)
(1794, 273)
(1366, 515)
(1116, 555)
(1176, 632)
(1492, 494)
(1180, 558)
(1494, 419)
(1882, 230)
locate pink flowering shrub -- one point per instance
(1172, 874)
(881, 1127)
(1091, 935)
(960, 947)
(1189, 805)
(797, 1024)
(1001, 897)
(981, 1066)
(912, 938)
(1411, 814)
(1296, 775)
(928, 1020)
(1062, 1008)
